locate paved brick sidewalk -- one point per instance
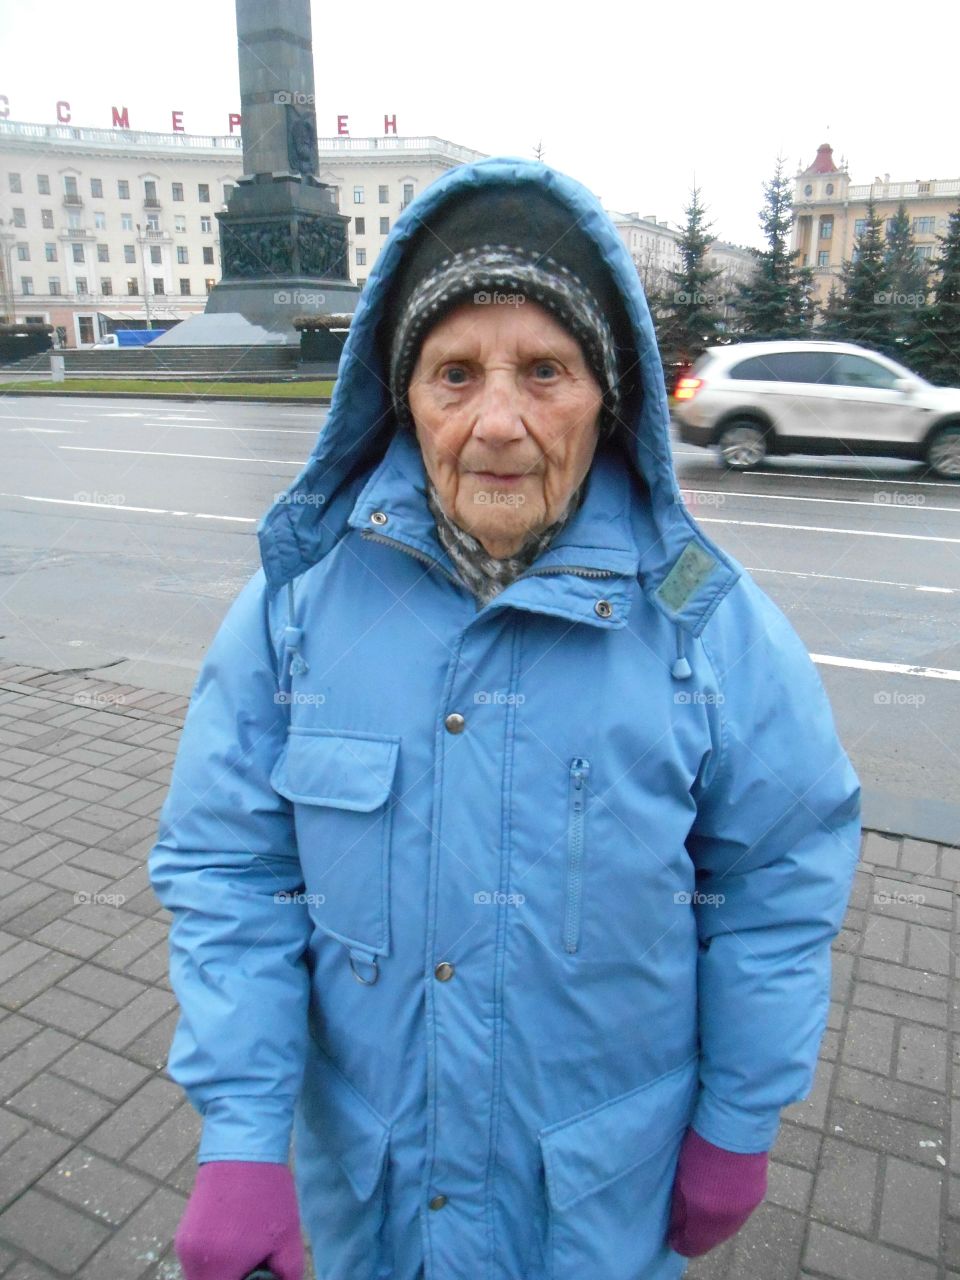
(97, 1146)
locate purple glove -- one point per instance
(714, 1193)
(241, 1214)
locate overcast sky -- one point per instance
(635, 102)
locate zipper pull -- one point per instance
(580, 771)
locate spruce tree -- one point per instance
(864, 312)
(935, 350)
(907, 275)
(776, 301)
(689, 314)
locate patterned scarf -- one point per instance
(483, 574)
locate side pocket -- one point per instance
(576, 808)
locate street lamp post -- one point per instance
(141, 239)
(8, 299)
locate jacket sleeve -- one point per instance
(226, 865)
(775, 843)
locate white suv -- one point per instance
(751, 399)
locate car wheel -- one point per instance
(742, 445)
(943, 452)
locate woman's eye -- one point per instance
(455, 375)
(544, 372)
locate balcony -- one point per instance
(151, 202)
(72, 200)
(75, 233)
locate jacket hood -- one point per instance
(683, 571)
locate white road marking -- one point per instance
(833, 577)
(816, 528)
(157, 453)
(17, 418)
(116, 506)
(182, 426)
(892, 668)
(842, 502)
(816, 475)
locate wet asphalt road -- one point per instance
(128, 526)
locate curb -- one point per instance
(172, 395)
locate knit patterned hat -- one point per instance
(505, 241)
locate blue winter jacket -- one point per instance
(488, 970)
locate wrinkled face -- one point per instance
(506, 410)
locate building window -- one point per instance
(81, 285)
(180, 224)
(361, 257)
(46, 217)
(826, 228)
(126, 222)
(106, 286)
(823, 258)
(53, 284)
(208, 255)
(150, 192)
(100, 221)
(184, 285)
(85, 325)
(182, 253)
(23, 252)
(203, 192)
(20, 218)
(923, 226)
(14, 179)
(78, 252)
(206, 226)
(924, 250)
(384, 194)
(133, 286)
(73, 220)
(360, 226)
(407, 193)
(209, 283)
(103, 253)
(829, 188)
(123, 189)
(227, 192)
(70, 191)
(43, 184)
(96, 188)
(51, 252)
(384, 226)
(158, 285)
(129, 253)
(335, 194)
(156, 256)
(858, 226)
(26, 284)
(808, 190)
(177, 189)
(358, 195)
(153, 222)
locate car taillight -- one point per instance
(687, 388)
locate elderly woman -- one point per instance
(509, 829)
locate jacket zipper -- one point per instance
(576, 803)
(412, 551)
(582, 571)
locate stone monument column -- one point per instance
(283, 245)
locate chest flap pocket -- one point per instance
(341, 784)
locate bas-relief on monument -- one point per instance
(281, 235)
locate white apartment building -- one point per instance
(111, 228)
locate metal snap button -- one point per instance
(437, 1202)
(455, 723)
(378, 517)
(603, 609)
(444, 971)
